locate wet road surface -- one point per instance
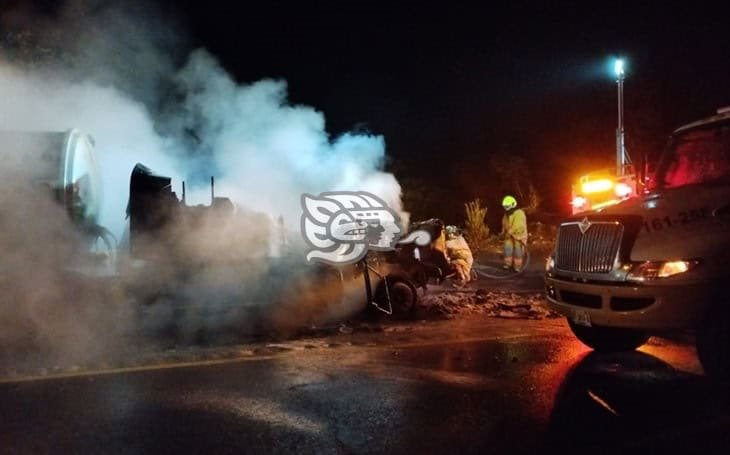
(474, 385)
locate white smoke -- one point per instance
(107, 68)
(266, 152)
(122, 128)
(263, 151)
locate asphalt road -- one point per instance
(471, 385)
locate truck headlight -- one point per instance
(652, 270)
(549, 264)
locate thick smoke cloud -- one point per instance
(49, 305)
(265, 151)
(121, 127)
(115, 77)
(121, 72)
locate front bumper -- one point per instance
(645, 306)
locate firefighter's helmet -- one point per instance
(509, 202)
(452, 231)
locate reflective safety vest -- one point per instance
(515, 225)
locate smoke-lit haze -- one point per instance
(122, 129)
(265, 151)
(121, 72)
(199, 122)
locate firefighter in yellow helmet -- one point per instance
(514, 233)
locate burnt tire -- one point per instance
(713, 342)
(403, 297)
(609, 339)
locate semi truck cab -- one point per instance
(657, 261)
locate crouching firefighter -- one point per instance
(459, 254)
(514, 233)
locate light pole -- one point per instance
(621, 158)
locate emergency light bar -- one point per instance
(596, 186)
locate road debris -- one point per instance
(496, 304)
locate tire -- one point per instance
(713, 342)
(403, 297)
(609, 339)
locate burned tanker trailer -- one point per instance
(50, 198)
(219, 267)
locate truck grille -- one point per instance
(592, 251)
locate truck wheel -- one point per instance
(403, 297)
(713, 342)
(609, 339)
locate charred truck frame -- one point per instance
(160, 224)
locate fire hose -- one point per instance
(525, 262)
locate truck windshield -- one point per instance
(696, 156)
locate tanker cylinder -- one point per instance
(62, 162)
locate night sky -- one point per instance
(451, 86)
(447, 84)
